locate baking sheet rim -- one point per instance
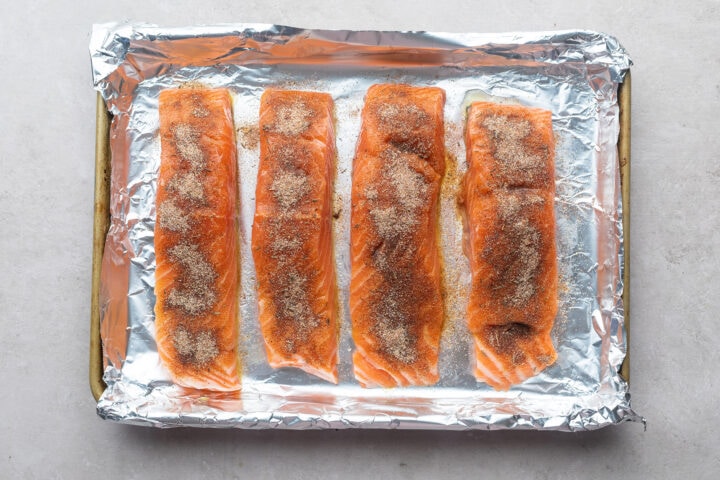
(101, 223)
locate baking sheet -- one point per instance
(574, 74)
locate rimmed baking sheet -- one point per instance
(284, 403)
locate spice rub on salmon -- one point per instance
(196, 240)
(396, 303)
(508, 195)
(292, 232)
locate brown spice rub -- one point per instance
(409, 127)
(186, 139)
(512, 257)
(398, 202)
(403, 123)
(296, 315)
(517, 261)
(294, 311)
(292, 118)
(188, 186)
(395, 310)
(171, 217)
(195, 292)
(290, 187)
(295, 194)
(515, 155)
(197, 350)
(249, 136)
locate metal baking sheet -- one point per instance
(574, 74)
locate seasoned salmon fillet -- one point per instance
(292, 232)
(396, 303)
(508, 195)
(196, 240)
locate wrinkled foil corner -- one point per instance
(575, 74)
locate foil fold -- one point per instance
(575, 74)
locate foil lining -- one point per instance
(575, 74)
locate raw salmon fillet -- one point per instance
(292, 232)
(396, 304)
(508, 194)
(196, 240)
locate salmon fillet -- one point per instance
(292, 232)
(396, 304)
(508, 194)
(196, 241)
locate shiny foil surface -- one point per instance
(575, 74)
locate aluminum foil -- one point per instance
(575, 74)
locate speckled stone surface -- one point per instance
(48, 424)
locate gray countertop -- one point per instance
(49, 426)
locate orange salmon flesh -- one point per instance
(196, 240)
(292, 232)
(396, 304)
(508, 195)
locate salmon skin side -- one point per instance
(292, 232)
(196, 240)
(508, 195)
(396, 303)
